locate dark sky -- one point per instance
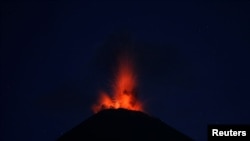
(192, 62)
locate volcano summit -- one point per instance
(123, 124)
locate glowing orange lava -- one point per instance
(123, 93)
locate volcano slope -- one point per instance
(122, 124)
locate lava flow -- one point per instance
(123, 93)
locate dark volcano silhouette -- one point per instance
(122, 124)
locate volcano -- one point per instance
(123, 124)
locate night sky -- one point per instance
(192, 61)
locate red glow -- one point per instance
(123, 93)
